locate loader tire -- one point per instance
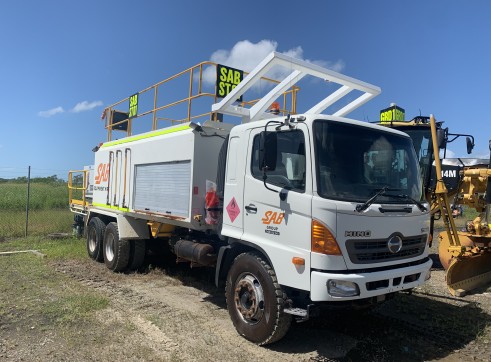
(137, 253)
(255, 300)
(116, 251)
(95, 237)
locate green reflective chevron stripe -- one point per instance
(146, 135)
(104, 206)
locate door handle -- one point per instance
(252, 209)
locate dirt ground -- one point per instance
(174, 313)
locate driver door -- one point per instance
(281, 228)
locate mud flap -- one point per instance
(467, 273)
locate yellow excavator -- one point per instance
(464, 254)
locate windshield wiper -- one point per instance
(366, 204)
(420, 206)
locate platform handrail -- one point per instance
(75, 203)
(194, 93)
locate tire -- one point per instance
(255, 300)
(95, 237)
(116, 251)
(137, 253)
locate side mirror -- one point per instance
(441, 137)
(470, 145)
(267, 151)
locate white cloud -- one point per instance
(337, 66)
(246, 56)
(51, 112)
(450, 154)
(483, 156)
(465, 155)
(85, 106)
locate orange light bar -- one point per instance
(298, 261)
(323, 241)
(275, 108)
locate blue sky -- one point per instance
(62, 62)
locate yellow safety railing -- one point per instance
(195, 92)
(77, 190)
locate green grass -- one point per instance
(41, 222)
(13, 196)
(34, 294)
(49, 315)
(56, 249)
(48, 209)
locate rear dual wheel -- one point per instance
(138, 250)
(120, 254)
(116, 250)
(95, 236)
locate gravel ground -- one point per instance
(174, 313)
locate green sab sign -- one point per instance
(227, 79)
(133, 106)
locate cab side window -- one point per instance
(290, 167)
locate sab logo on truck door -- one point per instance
(273, 217)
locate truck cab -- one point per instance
(339, 210)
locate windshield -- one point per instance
(421, 137)
(353, 163)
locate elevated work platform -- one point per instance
(201, 90)
(183, 97)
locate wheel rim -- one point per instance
(249, 298)
(109, 247)
(92, 240)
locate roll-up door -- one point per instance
(163, 188)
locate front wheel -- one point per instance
(255, 300)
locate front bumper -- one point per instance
(370, 284)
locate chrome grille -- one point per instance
(375, 251)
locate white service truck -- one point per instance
(293, 212)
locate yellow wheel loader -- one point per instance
(464, 254)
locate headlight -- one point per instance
(342, 288)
